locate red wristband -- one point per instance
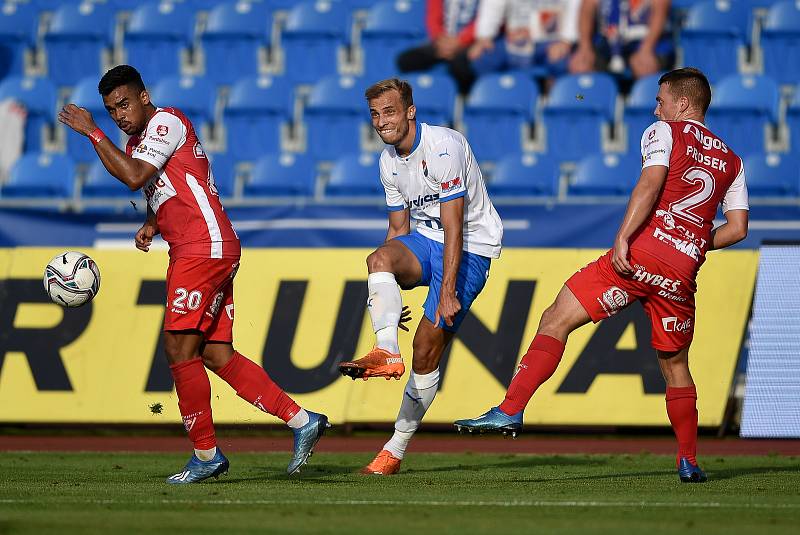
(96, 136)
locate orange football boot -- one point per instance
(376, 363)
(384, 464)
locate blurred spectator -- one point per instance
(632, 33)
(538, 33)
(451, 27)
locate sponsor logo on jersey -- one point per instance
(424, 168)
(642, 275)
(450, 185)
(141, 149)
(162, 130)
(421, 202)
(613, 300)
(685, 246)
(652, 134)
(708, 142)
(199, 153)
(674, 325)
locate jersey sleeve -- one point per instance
(448, 166)
(736, 197)
(656, 145)
(394, 199)
(164, 134)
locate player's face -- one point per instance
(390, 118)
(668, 108)
(126, 106)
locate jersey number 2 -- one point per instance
(684, 207)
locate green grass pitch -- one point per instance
(434, 493)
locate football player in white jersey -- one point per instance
(431, 177)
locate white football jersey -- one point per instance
(441, 167)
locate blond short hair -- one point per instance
(401, 86)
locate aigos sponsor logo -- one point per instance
(708, 142)
(426, 200)
(674, 325)
(613, 300)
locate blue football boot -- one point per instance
(305, 438)
(197, 470)
(690, 473)
(492, 421)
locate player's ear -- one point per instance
(144, 96)
(411, 113)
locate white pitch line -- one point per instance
(454, 503)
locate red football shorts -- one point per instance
(200, 296)
(666, 295)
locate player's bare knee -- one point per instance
(379, 260)
(174, 350)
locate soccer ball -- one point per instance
(71, 279)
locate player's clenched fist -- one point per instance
(449, 306)
(144, 237)
(619, 258)
(79, 119)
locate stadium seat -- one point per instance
(312, 37)
(525, 175)
(780, 42)
(40, 174)
(578, 107)
(125, 5)
(233, 35)
(773, 175)
(39, 98)
(256, 108)
(193, 96)
(712, 35)
(355, 175)
(498, 110)
(742, 106)
(392, 26)
(223, 165)
(333, 116)
(85, 95)
(99, 183)
(793, 121)
(281, 175)
(434, 97)
(606, 174)
(77, 36)
(156, 33)
(639, 110)
(18, 27)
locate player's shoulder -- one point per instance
(169, 117)
(440, 139)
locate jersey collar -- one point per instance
(417, 137)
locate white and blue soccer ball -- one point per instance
(71, 279)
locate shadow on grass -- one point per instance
(732, 473)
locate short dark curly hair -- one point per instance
(119, 76)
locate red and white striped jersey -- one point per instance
(703, 172)
(182, 194)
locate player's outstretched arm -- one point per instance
(732, 231)
(399, 224)
(641, 203)
(132, 172)
(452, 217)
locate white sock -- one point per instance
(205, 455)
(298, 420)
(385, 306)
(417, 397)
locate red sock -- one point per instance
(194, 401)
(682, 412)
(538, 364)
(252, 384)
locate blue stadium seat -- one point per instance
(793, 121)
(578, 107)
(78, 34)
(434, 97)
(282, 175)
(156, 33)
(38, 95)
(18, 26)
(233, 35)
(712, 34)
(85, 95)
(355, 175)
(392, 27)
(223, 165)
(39, 174)
(125, 5)
(498, 110)
(780, 42)
(334, 114)
(256, 109)
(193, 96)
(311, 39)
(525, 175)
(99, 183)
(606, 174)
(742, 106)
(773, 175)
(639, 110)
